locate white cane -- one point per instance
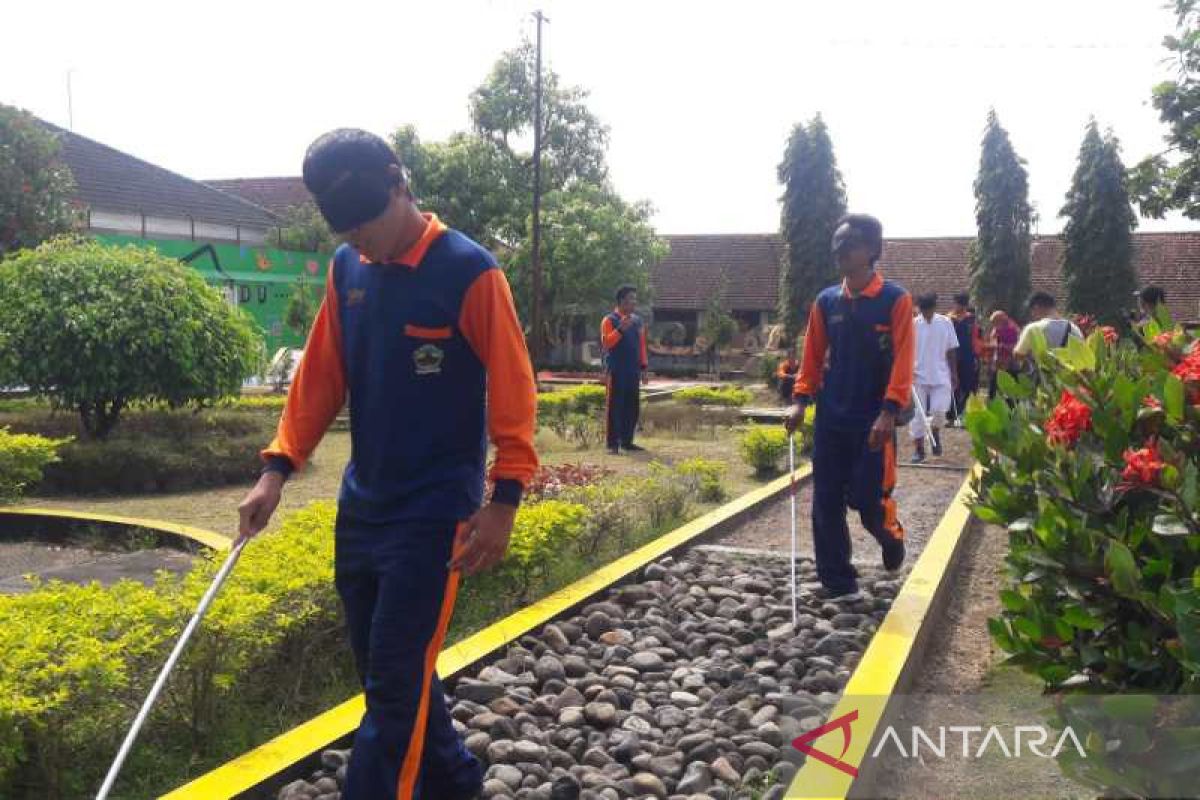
(205, 602)
(792, 472)
(928, 420)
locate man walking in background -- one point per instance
(785, 373)
(935, 374)
(418, 328)
(970, 349)
(864, 326)
(1044, 322)
(623, 336)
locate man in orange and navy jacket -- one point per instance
(865, 327)
(786, 375)
(418, 328)
(623, 336)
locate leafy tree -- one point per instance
(301, 307)
(1000, 254)
(1163, 184)
(36, 186)
(481, 182)
(592, 242)
(305, 229)
(96, 327)
(814, 197)
(1098, 257)
(717, 326)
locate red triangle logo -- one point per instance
(801, 743)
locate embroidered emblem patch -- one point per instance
(428, 359)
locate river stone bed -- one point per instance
(688, 685)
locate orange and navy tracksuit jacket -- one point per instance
(858, 360)
(430, 353)
(625, 360)
(787, 368)
(433, 358)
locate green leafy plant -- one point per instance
(705, 477)
(540, 534)
(763, 447)
(1094, 471)
(23, 457)
(730, 396)
(97, 327)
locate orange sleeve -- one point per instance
(318, 391)
(812, 368)
(609, 335)
(979, 345)
(489, 322)
(899, 390)
(645, 361)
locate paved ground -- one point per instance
(79, 565)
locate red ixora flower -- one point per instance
(1086, 323)
(1150, 401)
(1110, 334)
(1189, 368)
(1164, 339)
(1142, 467)
(1070, 418)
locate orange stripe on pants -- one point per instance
(891, 521)
(411, 767)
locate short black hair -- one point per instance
(624, 290)
(1042, 300)
(346, 151)
(1153, 295)
(870, 228)
(927, 301)
(963, 299)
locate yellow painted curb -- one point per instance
(205, 537)
(251, 769)
(891, 649)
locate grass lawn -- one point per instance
(216, 509)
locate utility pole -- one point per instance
(535, 343)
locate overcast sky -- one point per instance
(699, 96)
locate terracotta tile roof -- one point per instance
(274, 194)
(686, 278)
(693, 270)
(111, 180)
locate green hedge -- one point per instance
(730, 396)
(153, 450)
(573, 413)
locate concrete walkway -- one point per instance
(78, 565)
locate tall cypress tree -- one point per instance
(1097, 259)
(1000, 254)
(814, 197)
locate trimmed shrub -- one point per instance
(540, 534)
(704, 477)
(96, 327)
(763, 447)
(731, 396)
(23, 456)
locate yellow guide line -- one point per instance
(258, 765)
(877, 675)
(205, 537)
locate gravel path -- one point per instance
(687, 685)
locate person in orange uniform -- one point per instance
(623, 336)
(864, 325)
(786, 375)
(418, 329)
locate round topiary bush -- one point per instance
(96, 327)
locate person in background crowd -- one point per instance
(1001, 340)
(1149, 300)
(786, 373)
(1043, 314)
(623, 335)
(935, 376)
(970, 350)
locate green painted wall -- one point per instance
(260, 277)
